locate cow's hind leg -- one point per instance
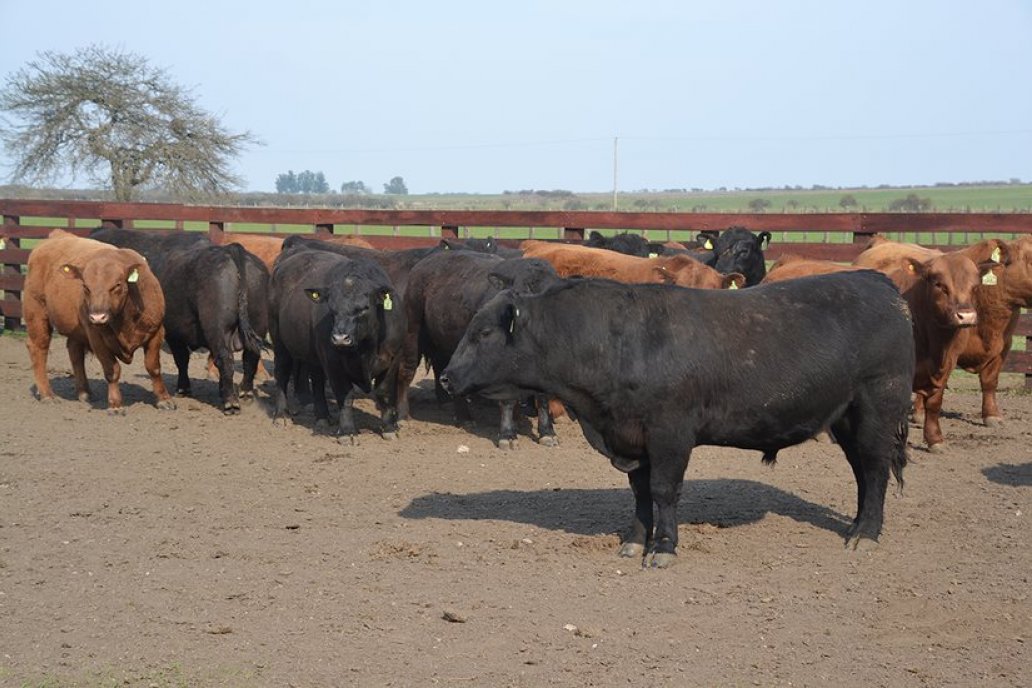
(282, 368)
(252, 364)
(38, 343)
(152, 363)
(546, 427)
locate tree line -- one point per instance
(309, 182)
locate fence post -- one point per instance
(216, 232)
(11, 269)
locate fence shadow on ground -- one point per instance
(725, 503)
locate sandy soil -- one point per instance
(184, 548)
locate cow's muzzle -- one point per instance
(99, 318)
(965, 317)
(339, 339)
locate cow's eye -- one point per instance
(485, 333)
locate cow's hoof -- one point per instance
(120, 411)
(184, 392)
(993, 421)
(390, 436)
(348, 440)
(659, 560)
(632, 549)
(548, 441)
(861, 543)
(84, 397)
(246, 396)
(509, 444)
(230, 410)
(47, 400)
(937, 448)
(281, 421)
(322, 425)
(166, 405)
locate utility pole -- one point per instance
(615, 140)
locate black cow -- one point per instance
(628, 243)
(739, 250)
(647, 371)
(343, 320)
(444, 292)
(216, 298)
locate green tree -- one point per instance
(395, 186)
(848, 201)
(286, 183)
(911, 204)
(354, 187)
(109, 115)
(758, 205)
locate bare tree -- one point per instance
(124, 124)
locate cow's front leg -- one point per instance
(669, 461)
(932, 430)
(347, 433)
(546, 427)
(152, 362)
(640, 535)
(77, 355)
(112, 374)
(507, 427)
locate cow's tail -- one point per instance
(248, 337)
(899, 454)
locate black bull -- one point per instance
(651, 371)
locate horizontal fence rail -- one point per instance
(828, 236)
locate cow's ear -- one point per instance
(316, 295)
(386, 299)
(497, 282)
(664, 275)
(764, 237)
(914, 266)
(734, 280)
(71, 271)
(445, 245)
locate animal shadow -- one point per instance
(725, 503)
(1018, 475)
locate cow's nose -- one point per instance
(446, 383)
(341, 339)
(98, 318)
(967, 317)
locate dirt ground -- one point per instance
(184, 548)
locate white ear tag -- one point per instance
(708, 245)
(653, 255)
(989, 279)
(2, 244)
(133, 277)
(996, 254)
(512, 323)
(387, 303)
(733, 285)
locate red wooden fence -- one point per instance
(843, 235)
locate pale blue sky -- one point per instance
(488, 96)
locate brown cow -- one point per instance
(999, 301)
(940, 294)
(104, 300)
(570, 260)
(792, 266)
(266, 248)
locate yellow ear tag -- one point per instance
(734, 285)
(65, 269)
(387, 303)
(133, 277)
(989, 279)
(996, 254)
(2, 245)
(653, 255)
(708, 245)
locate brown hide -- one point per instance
(792, 266)
(584, 261)
(103, 299)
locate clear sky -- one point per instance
(484, 96)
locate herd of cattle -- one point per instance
(653, 348)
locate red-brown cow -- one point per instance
(940, 294)
(792, 266)
(569, 260)
(104, 300)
